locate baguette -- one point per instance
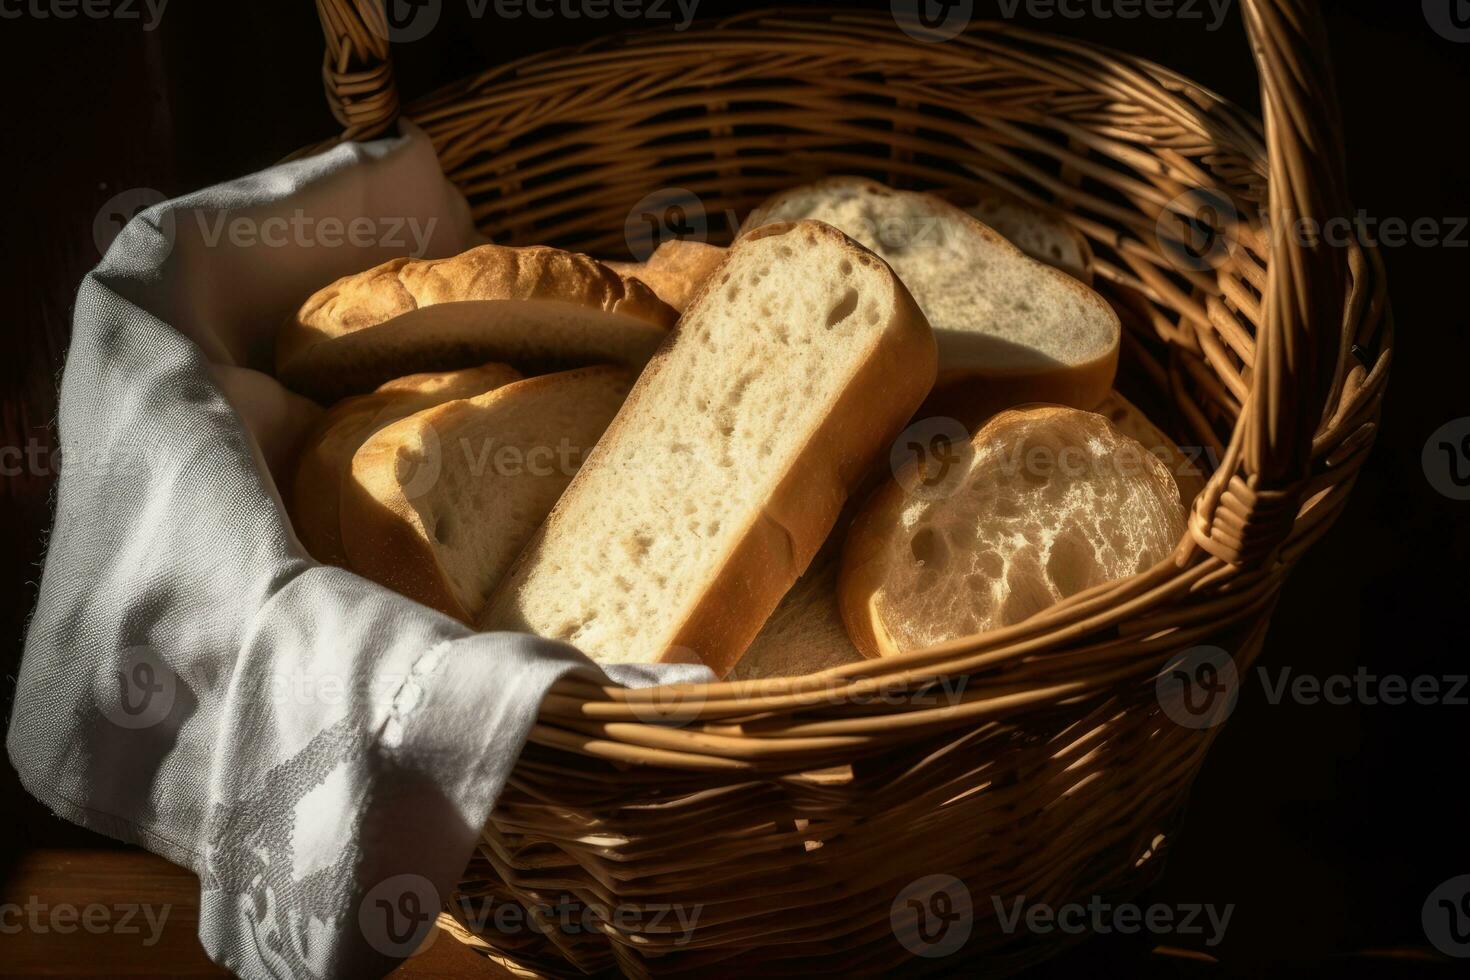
(529, 306)
(1050, 502)
(1011, 330)
(439, 503)
(792, 371)
(327, 460)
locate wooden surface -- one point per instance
(85, 913)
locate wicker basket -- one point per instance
(796, 815)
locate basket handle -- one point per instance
(357, 68)
(1251, 503)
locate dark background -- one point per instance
(1326, 826)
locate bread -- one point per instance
(327, 459)
(1025, 331)
(805, 634)
(1188, 474)
(1040, 232)
(796, 366)
(675, 270)
(1050, 502)
(440, 502)
(531, 307)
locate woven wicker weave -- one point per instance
(1035, 761)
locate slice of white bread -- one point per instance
(1026, 331)
(528, 306)
(1050, 502)
(675, 270)
(805, 634)
(439, 503)
(1041, 233)
(722, 474)
(326, 461)
(1128, 419)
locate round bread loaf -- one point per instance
(1043, 503)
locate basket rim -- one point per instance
(982, 34)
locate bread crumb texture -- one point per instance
(990, 304)
(715, 424)
(1054, 501)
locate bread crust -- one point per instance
(370, 315)
(383, 533)
(778, 543)
(675, 271)
(326, 461)
(1130, 420)
(860, 574)
(805, 633)
(973, 396)
(314, 509)
(974, 392)
(987, 198)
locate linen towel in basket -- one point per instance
(323, 752)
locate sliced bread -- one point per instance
(1024, 331)
(440, 502)
(529, 306)
(1051, 501)
(1128, 419)
(722, 474)
(805, 634)
(327, 459)
(1040, 232)
(675, 270)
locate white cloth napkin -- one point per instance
(322, 751)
